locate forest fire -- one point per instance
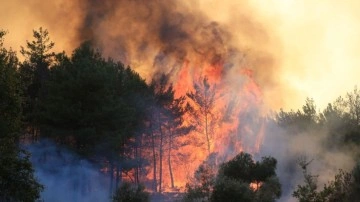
(172, 96)
(229, 118)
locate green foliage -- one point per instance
(239, 168)
(89, 102)
(37, 51)
(9, 91)
(232, 190)
(204, 183)
(340, 120)
(269, 191)
(308, 191)
(17, 181)
(300, 121)
(260, 174)
(131, 193)
(240, 179)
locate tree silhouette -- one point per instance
(34, 72)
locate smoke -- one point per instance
(296, 49)
(67, 177)
(311, 145)
(153, 37)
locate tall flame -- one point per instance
(238, 126)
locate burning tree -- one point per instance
(201, 110)
(166, 125)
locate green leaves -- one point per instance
(37, 51)
(131, 193)
(240, 179)
(90, 102)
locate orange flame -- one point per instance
(234, 133)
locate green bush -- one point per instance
(131, 193)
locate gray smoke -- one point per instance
(310, 146)
(66, 176)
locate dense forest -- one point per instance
(131, 133)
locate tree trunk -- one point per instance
(137, 163)
(140, 160)
(111, 177)
(207, 133)
(154, 162)
(160, 162)
(118, 176)
(160, 153)
(169, 161)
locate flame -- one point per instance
(238, 127)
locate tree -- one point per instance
(259, 178)
(231, 190)
(344, 187)
(203, 182)
(300, 121)
(176, 129)
(167, 124)
(308, 191)
(201, 110)
(163, 96)
(34, 72)
(240, 179)
(17, 180)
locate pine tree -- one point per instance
(34, 72)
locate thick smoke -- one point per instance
(297, 46)
(311, 146)
(155, 36)
(66, 176)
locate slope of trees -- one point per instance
(107, 113)
(338, 128)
